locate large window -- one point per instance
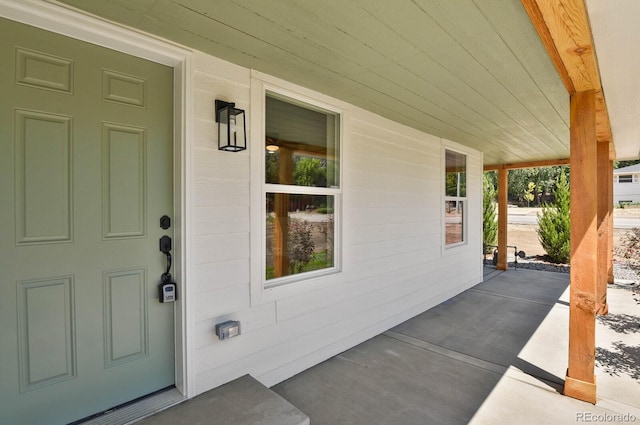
(301, 190)
(455, 197)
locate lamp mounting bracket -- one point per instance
(222, 104)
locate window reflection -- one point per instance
(301, 145)
(454, 223)
(455, 196)
(300, 233)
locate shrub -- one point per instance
(301, 246)
(489, 224)
(553, 224)
(629, 248)
(324, 210)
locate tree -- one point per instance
(489, 224)
(543, 177)
(309, 171)
(554, 225)
(528, 194)
(272, 167)
(622, 164)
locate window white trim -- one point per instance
(261, 291)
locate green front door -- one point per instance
(85, 175)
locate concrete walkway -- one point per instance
(495, 354)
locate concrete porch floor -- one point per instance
(495, 354)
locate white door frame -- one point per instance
(61, 19)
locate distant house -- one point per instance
(626, 185)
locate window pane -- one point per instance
(456, 172)
(625, 178)
(301, 145)
(454, 230)
(299, 233)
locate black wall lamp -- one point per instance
(232, 134)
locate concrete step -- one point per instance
(244, 401)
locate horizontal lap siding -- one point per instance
(626, 192)
(394, 266)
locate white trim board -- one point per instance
(62, 19)
(54, 17)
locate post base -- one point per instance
(581, 390)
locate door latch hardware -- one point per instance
(168, 288)
(165, 222)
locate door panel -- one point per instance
(125, 309)
(45, 332)
(85, 175)
(124, 180)
(43, 198)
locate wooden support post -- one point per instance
(580, 381)
(281, 207)
(603, 227)
(280, 235)
(610, 224)
(503, 191)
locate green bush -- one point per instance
(324, 210)
(489, 223)
(554, 225)
(301, 246)
(629, 248)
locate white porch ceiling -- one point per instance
(472, 71)
(617, 44)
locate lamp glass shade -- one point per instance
(231, 128)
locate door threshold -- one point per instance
(138, 410)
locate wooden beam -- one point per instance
(528, 164)
(537, 18)
(563, 27)
(610, 223)
(580, 380)
(301, 148)
(603, 127)
(503, 189)
(281, 224)
(603, 190)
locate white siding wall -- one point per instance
(394, 264)
(626, 191)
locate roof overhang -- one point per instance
(473, 71)
(564, 29)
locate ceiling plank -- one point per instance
(564, 29)
(480, 78)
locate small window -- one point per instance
(455, 197)
(301, 189)
(625, 178)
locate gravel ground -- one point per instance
(525, 237)
(625, 273)
(621, 272)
